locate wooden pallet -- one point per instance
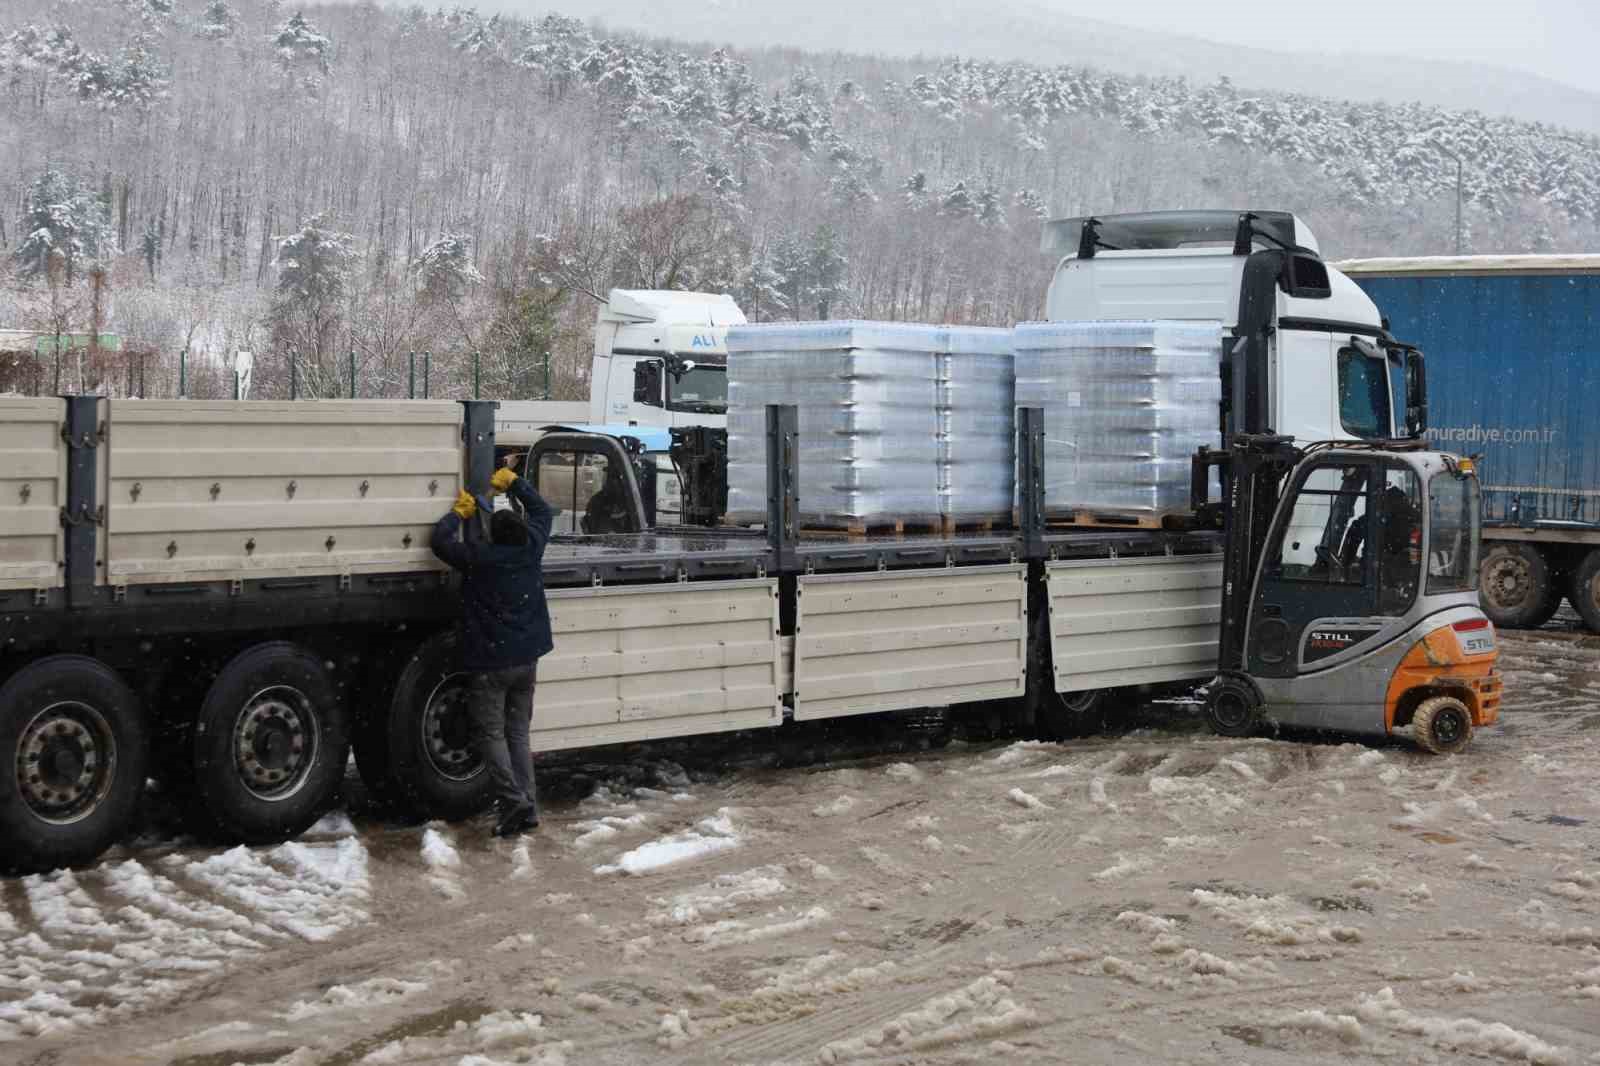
(977, 524)
(865, 527)
(1179, 520)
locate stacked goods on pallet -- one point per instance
(977, 424)
(1126, 404)
(867, 399)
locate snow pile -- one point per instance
(833, 808)
(1193, 792)
(732, 931)
(676, 1030)
(1023, 751)
(1027, 802)
(903, 771)
(440, 854)
(60, 906)
(323, 899)
(609, 826)
(1424, 816)
(1587, 983)
(1191, 843)
(1205, 964)
(521, 863)
(1478, 862)
(332, 824)
(981, 1010)
(811, 977)
(923, 823)
(515, 942)
(1097, 794)
(1345, 1027)
(1458, 1034)
(491, 1031)
(1272, 919)
(708, 837)
(1418, 894)
(1148, 924)
(721, 895)
(1123, 867)
(378, 992)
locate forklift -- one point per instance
(1350, 598)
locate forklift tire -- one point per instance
(1233, 707)
(1442, 725)
(1516, 589)
(73, 758)
(271, 742)
(1585, 591)
(432, 766)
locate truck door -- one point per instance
(1341, 567)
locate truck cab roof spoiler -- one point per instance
(1165, 230)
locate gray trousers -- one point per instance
(501, 705)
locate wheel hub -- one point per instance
(1508, 581)
(65, 759)
(1230, 708)
(275, 742)
(1448, 727)
(447, 731)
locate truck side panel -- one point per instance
(203, 490)
(896, 640)
(1514, 365)
(33, 489)
(1135, 621)
(641, 662)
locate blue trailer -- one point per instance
(1513, 348)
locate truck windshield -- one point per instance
(1364, 396)
(1452, 533)
(703, 389)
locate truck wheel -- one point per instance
(432, 763)
(1514, 586)
(73, 756)
(1233, 708)
(1585, 591)
(271, 742)
(1442, 725)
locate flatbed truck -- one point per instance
(232, 595)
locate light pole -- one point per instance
(1457, 158)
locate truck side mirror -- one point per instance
(1416, 394)
(647, 382)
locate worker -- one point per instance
(608, 510)
(505, 628)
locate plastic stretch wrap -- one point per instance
(1126, 404)
(867, 398)
(977, 422)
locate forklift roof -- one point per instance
(1166, 230)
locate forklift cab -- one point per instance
(597, 483)
(1363, 606)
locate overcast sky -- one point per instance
(1558, 39)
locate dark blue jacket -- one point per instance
(505, 620)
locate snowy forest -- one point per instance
(339, 186)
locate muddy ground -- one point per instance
(1159, 896)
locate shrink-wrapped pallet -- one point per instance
(867, 400)
(977, 423)
(1126, 404)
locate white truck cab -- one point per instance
(1320, 363)
(661, 358)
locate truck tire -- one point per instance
(1442, 725)
(433, 768)
(1515, 586)
(74, 750)
(1233, 708)
(1585, 590)
(271, 741)
(1065, 715)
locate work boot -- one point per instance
(517, 820)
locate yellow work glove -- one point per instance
(465, 506)
(502, 479)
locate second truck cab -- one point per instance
(661, 358)
(1319, 362)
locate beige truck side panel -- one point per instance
(891, 641)
(1134, 621)
(33, 489)
(216, 490)
(659, 661)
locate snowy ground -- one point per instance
(1163, 896)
